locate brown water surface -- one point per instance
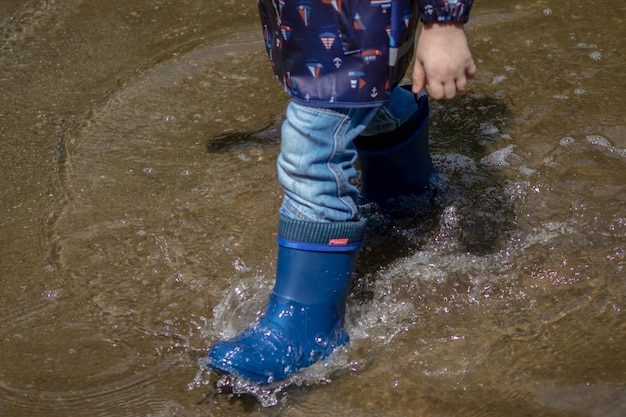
(139, 204)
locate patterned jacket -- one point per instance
(347, 53)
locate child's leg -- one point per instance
(400, 107)
(315, 166)
(393, 150)
(319, 237)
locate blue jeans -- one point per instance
(317, 155)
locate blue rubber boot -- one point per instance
(304, 319)
(397, 163)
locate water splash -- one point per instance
(243, 304)
(267, 395)
(270, 395)
(604, 143)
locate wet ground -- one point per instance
(138, 214)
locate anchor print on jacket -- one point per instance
(350, 53)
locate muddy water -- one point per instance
(139, 204)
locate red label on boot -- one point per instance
(339, 242)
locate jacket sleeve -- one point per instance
(444, 11)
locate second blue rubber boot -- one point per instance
(304, 319)
(397, 163)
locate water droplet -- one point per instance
(596, 55)
(51, 294)
(498, 79)
(499, 157)
(598, 140)
(240, 266)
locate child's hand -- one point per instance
(443, 61)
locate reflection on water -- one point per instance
(139, 213)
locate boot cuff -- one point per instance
(399, 137)
(327, 236)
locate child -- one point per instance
(341, 61)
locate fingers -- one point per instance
(436, 91)
(418, 77)
(470, 71)
(449, 90)
(446, 88)
(461, 84)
